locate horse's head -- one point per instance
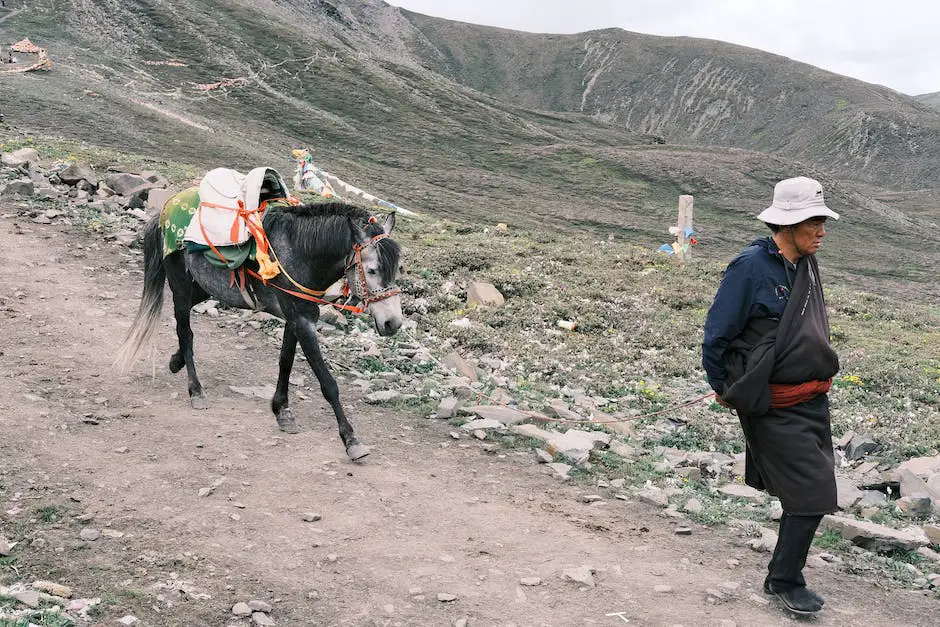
(373, 271)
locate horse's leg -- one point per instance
(184, 295)
(304, 330)
(279, 404)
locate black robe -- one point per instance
(789, 451)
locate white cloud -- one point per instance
(887, 43)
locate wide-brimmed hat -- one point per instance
(795, 200)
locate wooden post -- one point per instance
(685, 224)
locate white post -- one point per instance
(684, 225)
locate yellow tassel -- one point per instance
(266, 268)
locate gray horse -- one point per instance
(314, 246)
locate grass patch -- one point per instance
(830, 539)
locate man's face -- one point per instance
(808, 235)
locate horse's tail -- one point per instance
(151, 301)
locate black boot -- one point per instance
(799, 600)
(785, 571)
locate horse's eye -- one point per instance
(371, 271)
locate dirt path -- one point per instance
(424, 515)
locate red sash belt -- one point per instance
(787, 395)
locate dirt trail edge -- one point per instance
(201, 510)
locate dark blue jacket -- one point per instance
(756, 284)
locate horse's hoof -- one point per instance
(199, 402)
(357, 451)
(285, 421)
(176, 363)
(288, 426)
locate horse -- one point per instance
(314, 245)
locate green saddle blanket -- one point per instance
(175, 217)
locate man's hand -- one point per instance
(722, 402)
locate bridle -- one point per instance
(360, 286)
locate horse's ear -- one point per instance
(389, 224)
(359, 235)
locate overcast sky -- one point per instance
(888, 42)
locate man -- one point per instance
(766, 353)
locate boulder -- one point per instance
(125, 184)
(157, 198)
(872, 536)
(23, 187)
(76, 172)
(577, 445)
(454, 361)
(21, 158)
(848, 493)
(859, 447)
(923, 467)
(484, 294)
(742, 491)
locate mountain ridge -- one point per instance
(342, 78)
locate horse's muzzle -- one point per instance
(388, 327)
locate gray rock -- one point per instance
(484, 294)
(446, 597)
(577, 445)
(157, 198)
(843, 441)
(583, 575)
(557, 408)
(20, 158)
(505, 415)
(654, 496)
(872, 536)
(89, 534)
(30, 598)
(543, 457)
(382, 396)
(448, 407)
(154, 177)
(742, 491)
(847, 492)
(917, 505)
(911, 484)
(262, 620)
(871, 497)
(530, 581)
(559, 470)
(23, 187)
(125, 184)
(923, 467)
(454, 361)
(859, 447)
(693, 506)
(260, 606)
(483, 423)
(241, 609)
(533, 431)
(5, 547)
(766, 542)
(933, 533)
(76, 172)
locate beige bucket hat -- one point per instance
(795, 200)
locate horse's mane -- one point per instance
(321, 229)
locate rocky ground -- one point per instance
(120, 503)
